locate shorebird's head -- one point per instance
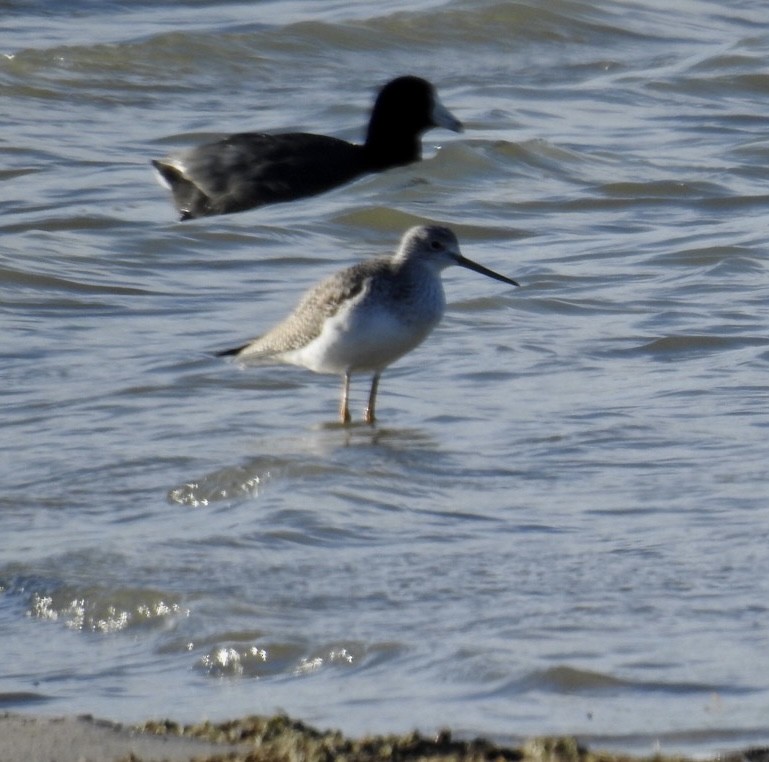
(438, 248)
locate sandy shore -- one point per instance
(26, 738)
(85, 739)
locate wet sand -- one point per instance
(85, 739)
(279, 738)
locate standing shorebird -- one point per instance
(251, 169)
(365, 317)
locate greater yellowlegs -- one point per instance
(251, 169)
(365, 317)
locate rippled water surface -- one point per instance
(559, 524)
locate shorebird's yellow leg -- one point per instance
(344, 408)
(368, 415)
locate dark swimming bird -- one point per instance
(364, 318)
(250, 169)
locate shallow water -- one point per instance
(559, 524)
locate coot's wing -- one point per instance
(250, 169)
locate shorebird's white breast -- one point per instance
(367, 334)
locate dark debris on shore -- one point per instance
(282, 739)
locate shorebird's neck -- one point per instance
(418, 284)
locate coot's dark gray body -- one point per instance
(250, 169)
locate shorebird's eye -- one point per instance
(436, 245)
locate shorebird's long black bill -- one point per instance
(470, 265)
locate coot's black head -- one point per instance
(404, 109)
